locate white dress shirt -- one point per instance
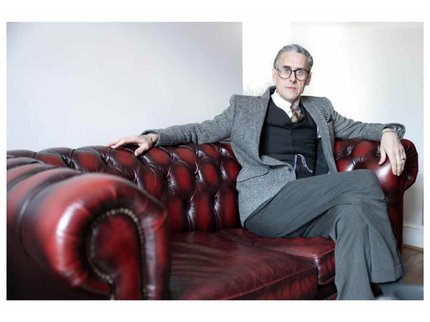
(284, 104)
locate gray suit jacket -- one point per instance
(261, 177)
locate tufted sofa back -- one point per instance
(196, 183)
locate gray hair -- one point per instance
(297, 49)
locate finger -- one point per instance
(402, 166)
(394, 162)
(394, 166)
(123, 141)
(383, 157)
(398, 164)
(140, 150)
(111, 143)
(118, 144)
(402, 157)
(401, 161)
(399, 168)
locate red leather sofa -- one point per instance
(97, 223)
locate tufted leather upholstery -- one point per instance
(188, 180)
(100, 223)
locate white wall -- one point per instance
(371, 72)
(78, 84)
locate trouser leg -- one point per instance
(352, 252)
(362, 254)
(350, 208)
(302, 201)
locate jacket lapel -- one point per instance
(317, 115)
(261, 110)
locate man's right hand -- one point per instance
(145, 142)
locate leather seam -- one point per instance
(287, 277)
(90, 251)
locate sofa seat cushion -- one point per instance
(317, 250)
(206, 266)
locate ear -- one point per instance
(309, 79)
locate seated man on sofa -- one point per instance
(289, 185)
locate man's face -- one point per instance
(291, 88)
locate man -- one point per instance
(289, 186)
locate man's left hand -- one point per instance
(392, 148)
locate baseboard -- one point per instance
(413, 235)
(414, 248)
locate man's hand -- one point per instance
(145, 142)
(392, 148)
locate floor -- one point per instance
(413, 264)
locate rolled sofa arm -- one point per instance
(95, 232)
(361, 154)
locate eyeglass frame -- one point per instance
(293, 71)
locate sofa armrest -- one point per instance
(361, 154)
(94, 232)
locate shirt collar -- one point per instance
(282, 103)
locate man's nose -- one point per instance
(293, 78)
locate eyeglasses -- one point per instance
(285, 73)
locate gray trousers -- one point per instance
(349, 207)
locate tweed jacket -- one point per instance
(261, 177)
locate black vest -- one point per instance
(284, 140)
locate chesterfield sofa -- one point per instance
(97, 223)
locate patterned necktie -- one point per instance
(297, 115)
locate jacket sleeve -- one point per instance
(217, 129)
(345, 128)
